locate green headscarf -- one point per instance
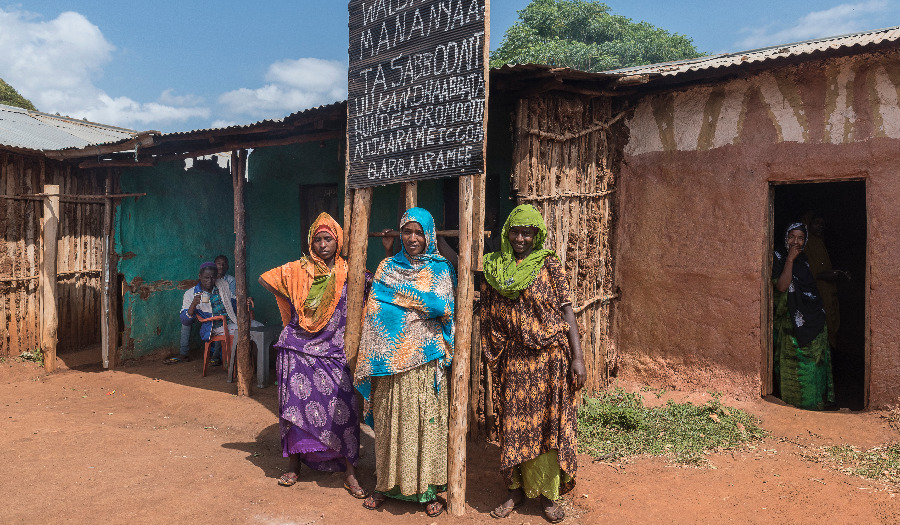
(500, 268)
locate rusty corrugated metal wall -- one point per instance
(79, 254)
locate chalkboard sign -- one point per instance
(416, 90)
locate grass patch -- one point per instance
(35, 356)
(616, 424)
(880, 463)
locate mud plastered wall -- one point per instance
(693, 229)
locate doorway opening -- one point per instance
(837, 211)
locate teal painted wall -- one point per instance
(162, 238)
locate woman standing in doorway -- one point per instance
(802, 356)
(407, 344)
(318, 410)
(530, 338)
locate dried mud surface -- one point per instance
(151, 443)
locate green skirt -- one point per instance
(803, 376)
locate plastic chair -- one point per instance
(225, 337)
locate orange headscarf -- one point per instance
(294, 280)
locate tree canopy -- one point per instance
(11, 97)
(585, 35)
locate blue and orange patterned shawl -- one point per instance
(409, 314)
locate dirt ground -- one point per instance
(150, 443)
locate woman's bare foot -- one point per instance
(515, 497)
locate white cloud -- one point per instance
(292, 85)
(838, 20)
(56, 62)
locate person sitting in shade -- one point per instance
(222, 266)
(209, 297)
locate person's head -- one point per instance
(324, 245)
(817, 225)
(222, 265)
(208, 273)
(795, 235)
(326, 237)
(524, 230)
(522, 240)
(417, 232)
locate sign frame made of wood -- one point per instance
(416, 93)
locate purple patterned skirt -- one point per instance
(319, 415)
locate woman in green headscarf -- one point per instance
(529, 336)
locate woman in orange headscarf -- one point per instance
(318, 409)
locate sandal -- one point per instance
(176, 359)
(375, 500)
(503, 511)
(288, 479)
(357, 491)
(554, 514)
(434, 508)
(215, 362)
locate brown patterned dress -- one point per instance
(526, 343)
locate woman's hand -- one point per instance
(794, 251)
(577, 373)
(388, 241)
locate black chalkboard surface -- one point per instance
(416, 90)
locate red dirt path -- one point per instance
(151, 443)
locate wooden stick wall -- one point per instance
(79, 254)
(563, 160)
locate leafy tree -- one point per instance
(11, 97)
(585, 35)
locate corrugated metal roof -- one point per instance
(33, 130)
(262, 123)
(862, 39)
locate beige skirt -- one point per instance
(411, 430)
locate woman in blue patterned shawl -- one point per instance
(407, 344)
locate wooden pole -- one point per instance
(109, 317)
(410, 193)
(49, 317)
(244, 368)
(356, 281)
(459, 386)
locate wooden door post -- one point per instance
(49, 317)
(459, 388)
(244, 368)
(356, 281)
(109, 325)
(410, 194)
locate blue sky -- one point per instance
(176, 65)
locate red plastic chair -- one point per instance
(225, 338)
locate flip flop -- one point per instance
(176, 359)
(435, 508)
(288, 479)
(503, 511)
(357, 492)
(374, 501)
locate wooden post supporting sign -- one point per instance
(49, 317)
(356, 281)
(459, 386)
